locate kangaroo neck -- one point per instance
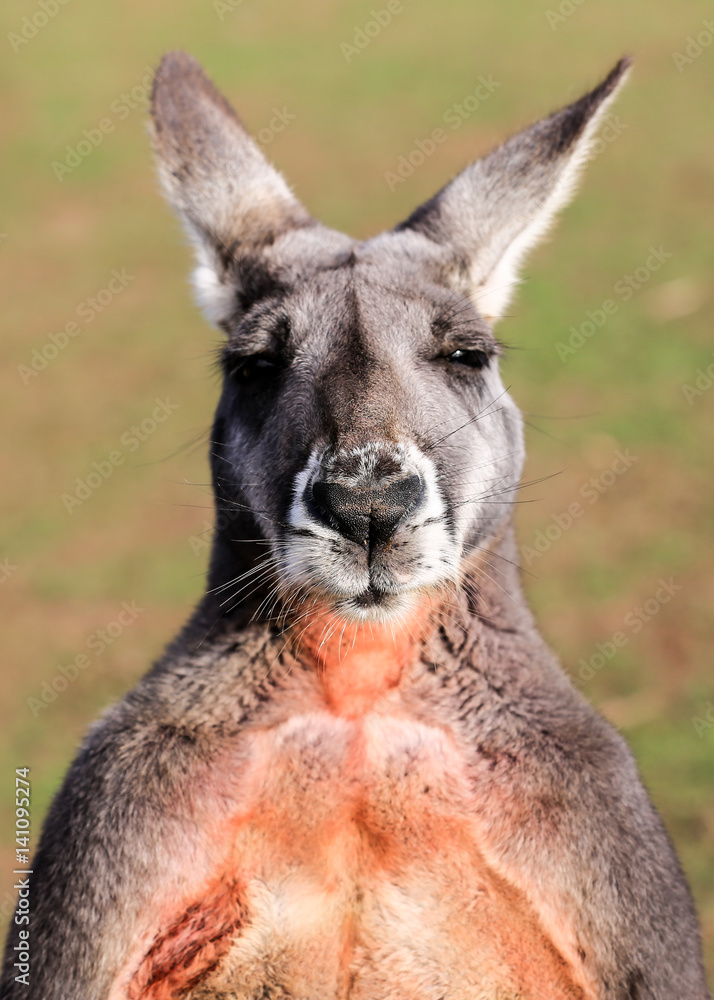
(358, 663)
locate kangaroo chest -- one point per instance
(352, 869)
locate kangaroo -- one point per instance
(358, 771)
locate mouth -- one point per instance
(359, 589)
(376, 605)
(373, 597)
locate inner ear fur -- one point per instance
(231, 201)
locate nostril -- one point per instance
(391, 505)
(364, 514)
(343, 508)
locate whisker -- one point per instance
(260, 564)
(245, 596)
(481, 413)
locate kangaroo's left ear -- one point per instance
(498, 208)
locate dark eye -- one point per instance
(255, 367)
(468, 358)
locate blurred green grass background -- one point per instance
(138, 537)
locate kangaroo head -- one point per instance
(363, 428)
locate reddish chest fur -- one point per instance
(357, 665)
(350, 865)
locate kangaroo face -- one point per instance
(364, 417)
(363, 424)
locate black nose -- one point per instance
(364, 514)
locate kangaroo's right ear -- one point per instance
(232, 202)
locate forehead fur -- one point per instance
(393, 278)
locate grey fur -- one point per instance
(368, 389)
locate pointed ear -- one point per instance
(494, 212)
(232, 203)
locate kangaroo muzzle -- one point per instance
(368, 529)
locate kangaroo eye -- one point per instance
(255, 367)
(469, 359)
